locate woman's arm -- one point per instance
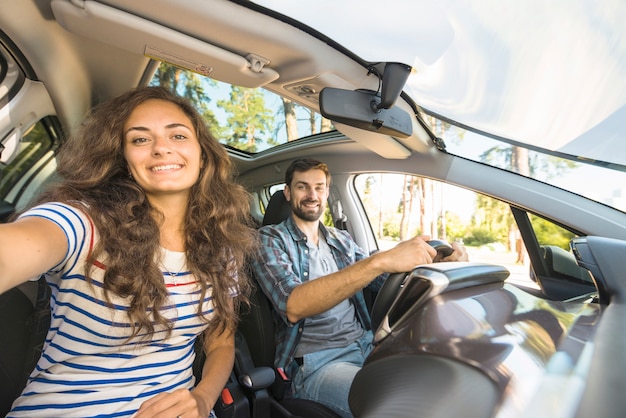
(29, 247)
(220, 357)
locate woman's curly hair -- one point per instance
(219, 233)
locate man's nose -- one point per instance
(311, 193)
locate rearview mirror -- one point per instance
(360, 109)
(370, 110)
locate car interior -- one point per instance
(58, 58)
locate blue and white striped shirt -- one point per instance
(88, 368)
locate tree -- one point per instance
(249, 121)
(291, 120)
(520, 161)
(190, 85)
(405, 200)
(291, 111)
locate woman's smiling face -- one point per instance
(162, 149)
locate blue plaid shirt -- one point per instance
(284, 264)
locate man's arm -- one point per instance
(319, 295)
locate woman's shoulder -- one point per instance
(74, 207)
(62, 213)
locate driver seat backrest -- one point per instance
(257, 327)
(277, 210)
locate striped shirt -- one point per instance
(284, 264)
(88, 368)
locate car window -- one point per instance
(26, 148)
(250, 120)
(400, 206)
(32, 165)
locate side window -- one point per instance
(32, 164)
(400, 206)
(26, 145)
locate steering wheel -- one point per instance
(443, 248)
(389, 290)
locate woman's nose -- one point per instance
(161, 146)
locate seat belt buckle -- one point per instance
(282, 384)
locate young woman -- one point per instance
(142, 244)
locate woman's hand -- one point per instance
(180, 403)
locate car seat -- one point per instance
(255, 343)
(26, 309)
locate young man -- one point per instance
(313, 275)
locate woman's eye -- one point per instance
(180, 137)
(138, 140)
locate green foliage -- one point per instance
(249, 120)
(480, 236)
(550, 234)
(391, 230)
(455, 227)
(328, 217)
(492, 217)
(552, 165)
(191, 86)
(35, 143)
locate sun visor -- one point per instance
(383, 145)
(138, 35)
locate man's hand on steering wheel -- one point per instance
(459, 253)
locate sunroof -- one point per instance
(247, 119)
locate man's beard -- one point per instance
(307, 215)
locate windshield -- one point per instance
(591, 181)
(547, 77)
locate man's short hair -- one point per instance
(305, 164)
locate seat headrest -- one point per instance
(277, 210)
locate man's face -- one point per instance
(307, 194)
